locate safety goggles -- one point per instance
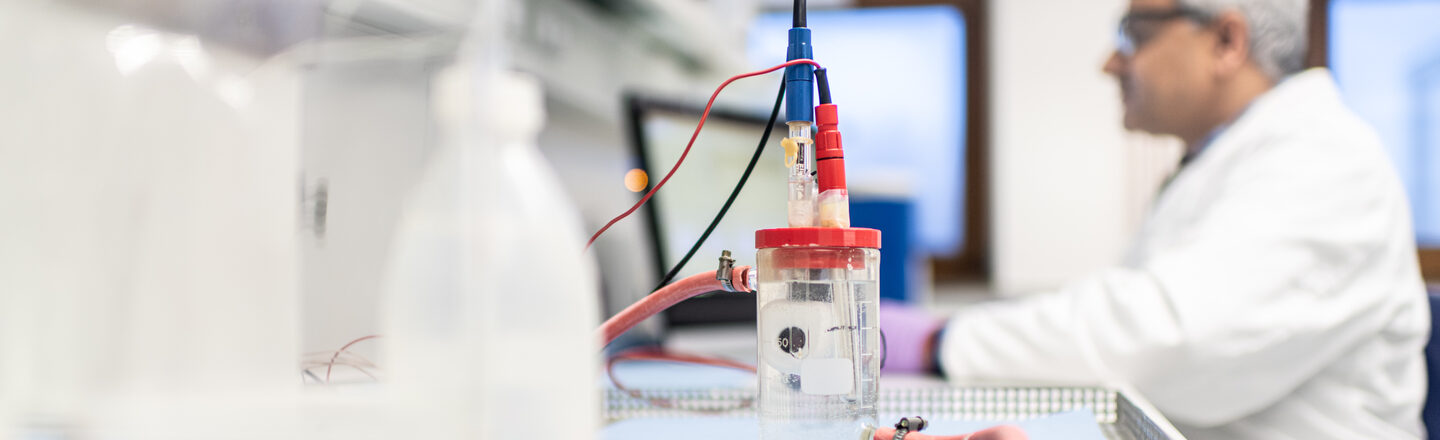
(1138, 27)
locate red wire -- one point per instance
(654, 355)
(646, 354)
(703, 116)
(330, 367)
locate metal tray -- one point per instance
(1122, 414)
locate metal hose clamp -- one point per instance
(727, 267)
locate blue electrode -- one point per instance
(799, 116)
(799, 99)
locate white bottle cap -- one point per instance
(513, 105)
(452, 97)
(507, 105)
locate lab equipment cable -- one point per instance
(686, 288)
(658, 355)
(306, 373)
(331, 366)
(834, 210)
(799, 11)
(703, 116)
(754, 159)
(319, 359)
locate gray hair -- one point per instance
(1277, 30)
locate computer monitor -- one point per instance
(898, 75)
(681, 210)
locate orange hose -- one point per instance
(667, 296)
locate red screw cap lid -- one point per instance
(818, 237)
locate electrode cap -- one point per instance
(818, 237)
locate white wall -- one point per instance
(1069, 183)
(367, 136)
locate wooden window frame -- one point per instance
(1430, 264)
(1318, 55)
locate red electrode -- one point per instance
(829, 155)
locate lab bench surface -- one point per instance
(1118, 414)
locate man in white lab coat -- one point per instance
(1273, 293)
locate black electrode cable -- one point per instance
(822, 83)
(799, 12)
(754, 159)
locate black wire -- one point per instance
(822, 83)
(799, 11)
(774, 113)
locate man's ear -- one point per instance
(1232, 42)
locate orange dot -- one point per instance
(636, 179)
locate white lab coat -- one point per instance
(1272, 294)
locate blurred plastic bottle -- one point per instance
(148, 272)
(490, 304)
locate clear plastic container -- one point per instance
(819, 340)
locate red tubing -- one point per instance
(668, 296)
(1004, 432)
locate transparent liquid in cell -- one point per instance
(819, 356)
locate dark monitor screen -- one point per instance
(684, 207)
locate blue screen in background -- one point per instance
(1386, 56)
(898, 76)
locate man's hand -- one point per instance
(909, 334)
